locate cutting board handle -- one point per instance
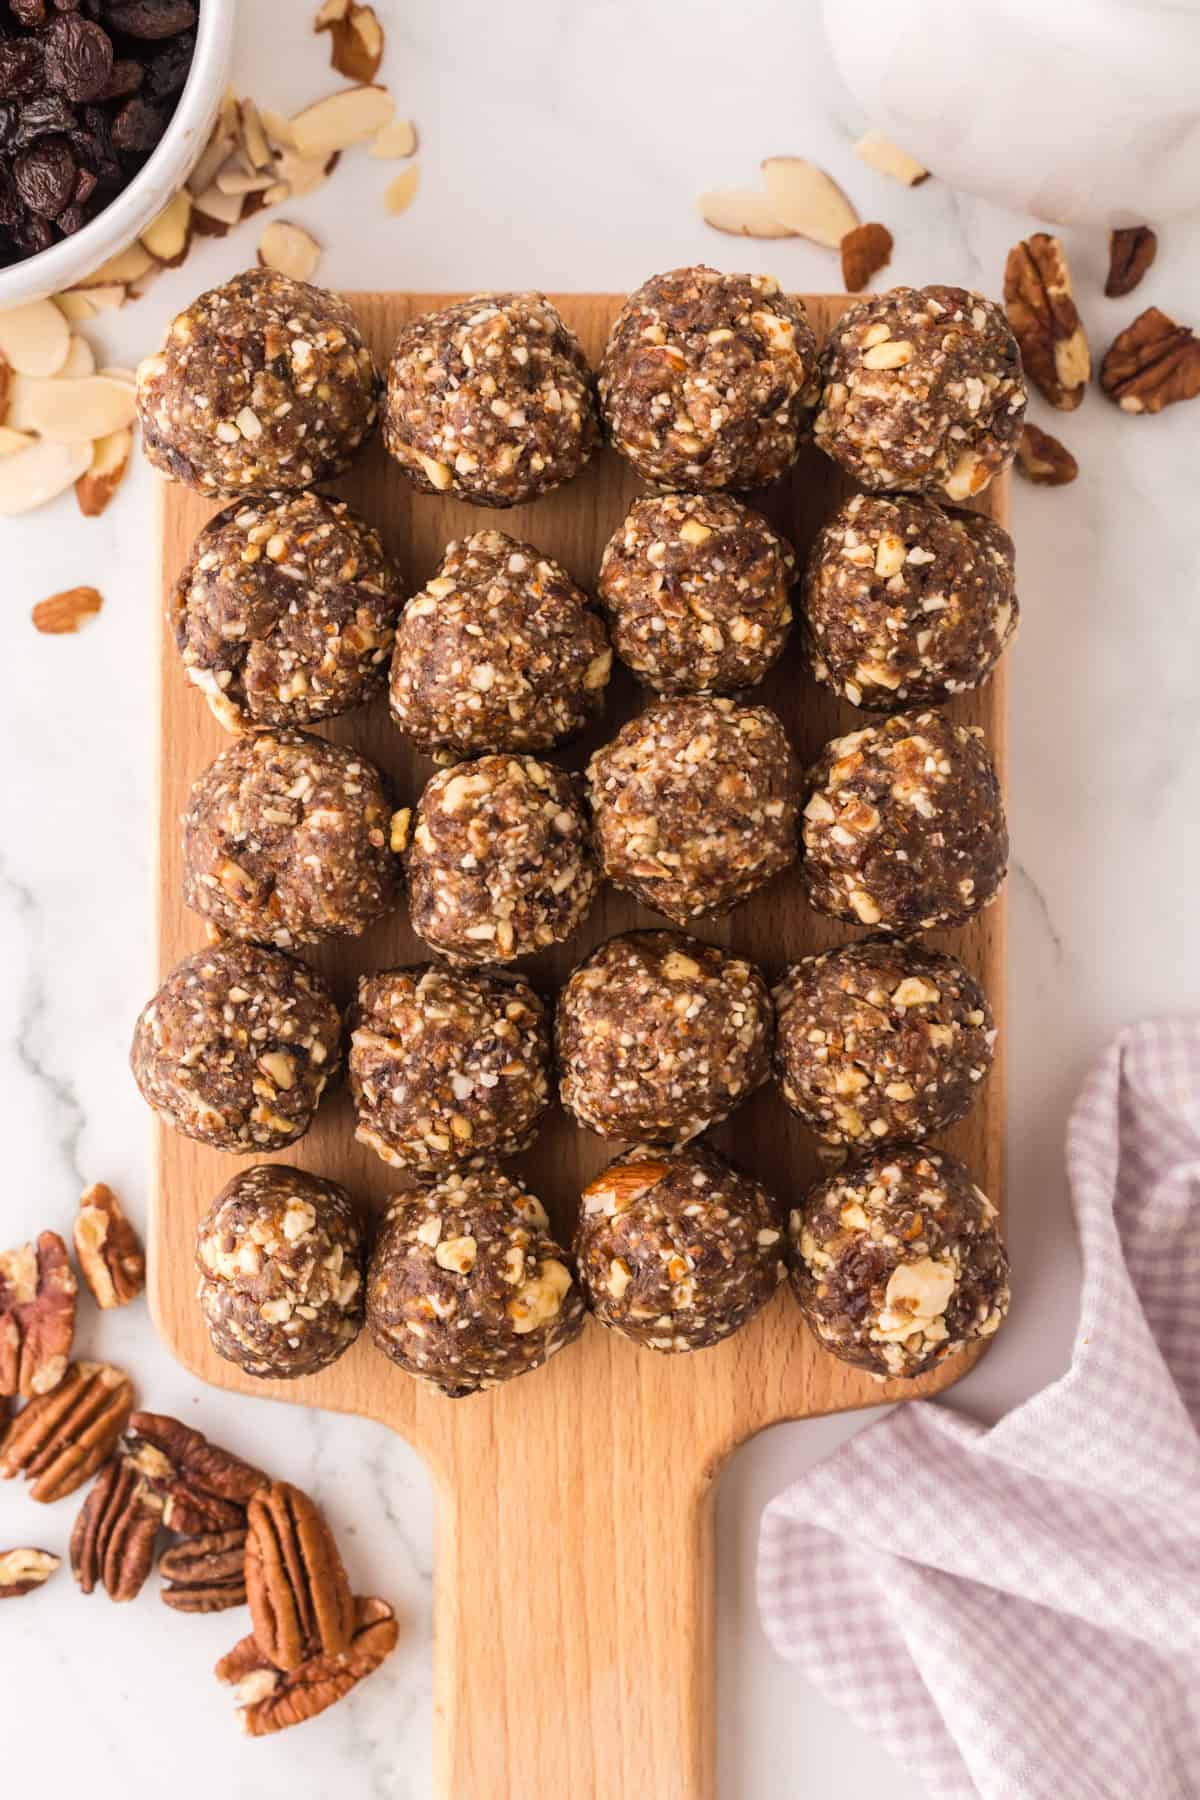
(573, 1616)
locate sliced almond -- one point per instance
(276, 193)
(81, 360)
(304, 174)
(31, 477)
(64, 412)
(226, 209)
(103, 299)
(355, 39)
(75, 308)
(399, 194)
(808, 200)
(233, 180)
(253, 136)
(395, 140)
(100, 481)
(113, 373)
(742, 212)
(351, 116)
(289, 249)
(126, 267)
(278, 129)
(11, 441)
(34, 338)
(880, 154)
(330, 13)
(67, 611)
(213, 157)
(167, 237)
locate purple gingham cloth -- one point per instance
(1015, 1611)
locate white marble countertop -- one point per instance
(562, 146)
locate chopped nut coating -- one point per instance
(897, 1262)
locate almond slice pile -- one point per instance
(257, 158)
(63, 423)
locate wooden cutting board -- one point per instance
(574, 1598)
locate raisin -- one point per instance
(33, 233)
(45, 177)
(150, 19)
(137, 127)
(69, 219)
(9, 119)
(28, 12)
(20, 66)
(167, 69)
(125, 78)
(40, 117)
(12, 207)
(79, 57)
(85, 186)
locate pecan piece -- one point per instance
(24, 1569)
(205, 1574)
(300, 1600)
(1041, 311)
(271, 1700)
(865, 250)
(1130, 253)
(109, 1250)
(37, 1316)
(204, 1488)
(64, 1436)
(1043, 460)
(1151, 364)
(116, 1532)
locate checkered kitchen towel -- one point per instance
(1016, 1610)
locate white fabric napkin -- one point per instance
(1016, 1610)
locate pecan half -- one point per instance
(205, 1574)
(1041, 311)
(61, 1438)
(24, 1569)
(204, 1488)
(299, 1597)
(37, 1315)
(109, 1250)
(1130, 253)
(116, 1532)
(1043, 460)
(271, 1700)
(865, 250)
(1151, 364)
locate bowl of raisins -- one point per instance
(105, 107)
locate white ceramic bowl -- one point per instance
(74, 258)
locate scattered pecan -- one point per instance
(300, 1600)
(205, 1574)
(1042, 459)
(109, 1249)
(1046, 325)
(865, 250)
(37, 1315)
(1151, 364)
(271, 1700)
(116, 1531)
(24, 1569)
(62, 1437)
(67, 611)
(204, 1488)
(1130, 253)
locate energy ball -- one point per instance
(881, 1041)
(906, 603)
(897, 1262)
(697, 592)
(660, 1036)
(236, 1047)
(921, 390)
(286, 611)
(500, 651)
(501, 864)
(708, 379)
(281, 1256)
(678, 1250)
(287, 840)
(491, 400)
(466, 1288)
(904, 826)
(262, 384)
(695, 805)
(446, 1066)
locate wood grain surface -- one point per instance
(573, 1618)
